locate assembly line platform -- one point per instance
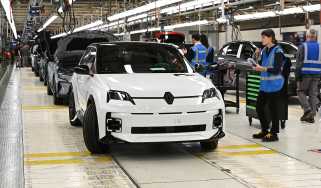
(39, 148)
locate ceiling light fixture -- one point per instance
(48, 22)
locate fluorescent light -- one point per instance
(288, 11)
(47, 23)
(59, 35)
(221, 20)
(188, 24)
(142, 9)
(312, 8)
(7, 8)
(88, 26)
(191, 6)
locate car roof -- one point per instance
(132, 43)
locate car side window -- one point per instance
(231, 50)
(247, 51)
(91, 60)
(85, 57)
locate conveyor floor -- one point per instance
(55, 154)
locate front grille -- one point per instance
(172, 129)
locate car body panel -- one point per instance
(67, 56)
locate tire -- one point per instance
(90, 132)
(72, 111)
(209, 145)
(58, 101)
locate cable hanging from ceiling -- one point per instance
(66, 13)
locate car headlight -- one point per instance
(119, 95)
(209, 93)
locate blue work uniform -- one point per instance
(312, 59)
(271, 82)
(200, 54)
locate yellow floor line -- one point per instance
(248, 153)
(241, 146)
(53, 162)
(52, 107)
(58, 154)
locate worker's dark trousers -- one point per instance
(267, 110)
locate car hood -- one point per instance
(155, 85)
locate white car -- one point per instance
(142, 93)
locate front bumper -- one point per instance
(170, 122)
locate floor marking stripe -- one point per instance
(249, 153)
(53, 162)
(241, 146)
(53, 107)
(58, 154)
(66, 161)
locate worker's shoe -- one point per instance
(304, 117)
(270, 137)
(260, 135)
(309, 118)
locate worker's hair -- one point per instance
(204, 40)
(269, 33)
(196, 37)
(312, 33)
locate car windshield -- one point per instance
(140, 58)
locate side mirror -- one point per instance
(82, 69)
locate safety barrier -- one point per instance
(5, 72)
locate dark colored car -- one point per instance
(35, 53)
(51, 46)
(239, 51)
(68, 54)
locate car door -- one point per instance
(88, 60)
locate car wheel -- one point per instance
(90, 132)
(209, 145)
(57, 100)
(72, 111)
(49, 92)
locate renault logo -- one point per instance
(169, 98)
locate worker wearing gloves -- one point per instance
(197, 55)
(308, 72)
(272, 81)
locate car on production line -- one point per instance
(141, 93)
(51, 46)
(239, 51)
(66, 57)
(35, 53)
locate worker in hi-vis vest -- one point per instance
(272, 81)
(308, 72)
(197, 54)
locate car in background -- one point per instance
(69, 51)
(35, 53)
(141, 93)
(238, 52)
(51, 46)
